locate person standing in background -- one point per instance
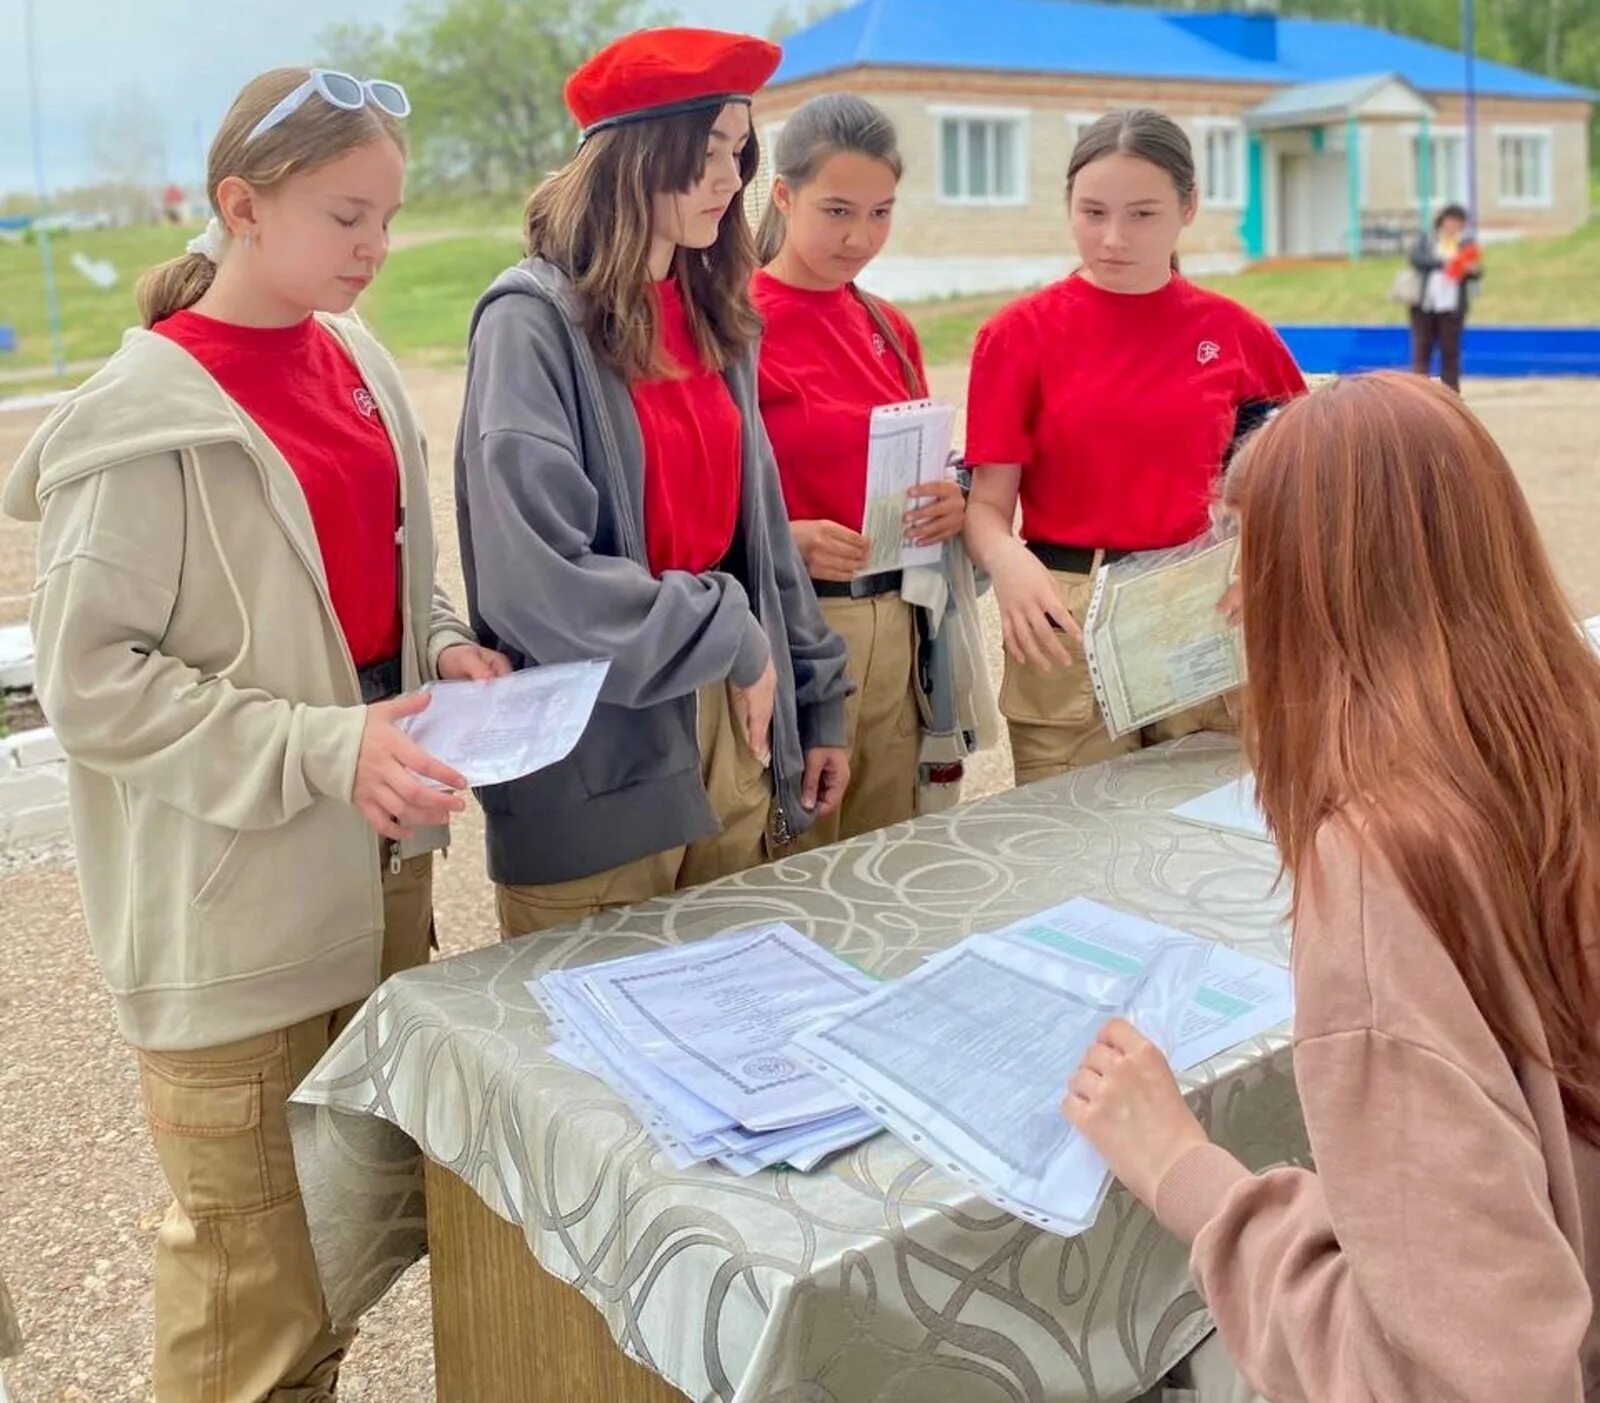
(1448, 262)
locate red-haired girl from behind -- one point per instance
(1423, 720)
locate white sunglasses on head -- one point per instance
(338, 90)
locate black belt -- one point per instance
(868, 587)
(380, 681)
(1074, 560)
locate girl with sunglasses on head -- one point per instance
(236, 571)
(617, 498)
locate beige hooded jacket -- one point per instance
(190, 661)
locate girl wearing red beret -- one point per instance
(617, 498)
(830, 354)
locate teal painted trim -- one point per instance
(1425, 169)
(1253, 221)
(1352, 161)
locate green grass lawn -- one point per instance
(1538, 282)
(92, 320)
(422, 302)
(420, 305)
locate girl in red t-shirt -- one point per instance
(830, 354)
(237, 585)
(617, 499)
(1108, 403)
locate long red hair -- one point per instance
(1412, 659)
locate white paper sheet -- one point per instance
(967, 1058)
(908, 444)
(1232, 808)
(497, 731)
(1239, 997)
(1592, 628)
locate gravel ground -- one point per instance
(80, 1195)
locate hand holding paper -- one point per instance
(502, 728)
(1125, 1100)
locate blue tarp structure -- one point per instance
(1490, 351)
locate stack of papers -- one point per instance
(695, 1039)
(967, 1059)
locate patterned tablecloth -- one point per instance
(876, 1279)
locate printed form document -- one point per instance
(967, 1058)
(908, 444)
(694, 1038)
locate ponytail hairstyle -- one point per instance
(1143, 132)
(814, 132)
(312, 135)
(592, 219)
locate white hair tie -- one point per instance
(210, 241)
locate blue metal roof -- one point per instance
(1068, 36)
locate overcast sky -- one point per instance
(191, 56)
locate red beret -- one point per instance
(661, 72)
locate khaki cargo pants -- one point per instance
(740, 788)
(1054, 719)
(238, 1303)
(883, 726)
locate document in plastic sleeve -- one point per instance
(967, 1058)
(908, 444)
(694, 1039)
(1155, 639)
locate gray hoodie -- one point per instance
(549, 502)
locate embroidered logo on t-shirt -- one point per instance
(1207, 351)
(365, 402)
(880, 347)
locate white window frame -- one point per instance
(1019, 115)
(1438, 196)
(1203, 127)
(1076, 122)
(1515, 131)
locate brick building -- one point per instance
(1313, 138)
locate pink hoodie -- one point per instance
(1448, 1242)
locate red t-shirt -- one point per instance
(1119, 407)
(825, 367)
(693, 441)
(304, 392)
